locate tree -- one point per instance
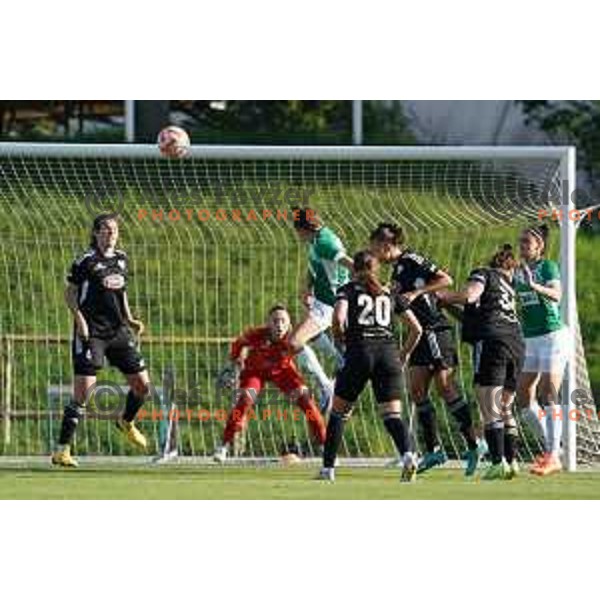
(573, 121)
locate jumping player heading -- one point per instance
(328, 268)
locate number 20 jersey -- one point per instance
(369, 315)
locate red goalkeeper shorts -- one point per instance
(287, 379)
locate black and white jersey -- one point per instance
(412, 271)
(101, 281)
(494, 315)
(369, 315)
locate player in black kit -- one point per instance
(362, 321)
(491, 324)
(417, 279)
(103, 327)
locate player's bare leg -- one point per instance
(531, 412)
(139, 390)
(73, 413)
(307, 359)
(548, 388)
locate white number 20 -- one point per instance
(381, 316)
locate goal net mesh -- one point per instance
(209, 254)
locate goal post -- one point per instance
(199, 281)
(569, 302)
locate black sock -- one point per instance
(398, 431)
(426, 416)
(132, 405)
(460, 410)
(494, 436)
(72, 414)
(333, 439)
(511, 442)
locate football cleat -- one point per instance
(431, 459)
(63, 458)
(220, 455)
(132, 433)
(409, 471)
(497, 471)
(551, 464)
(472, 458)
(537, 461)
(326, 474)
(513, 469)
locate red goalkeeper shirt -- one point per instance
(265, 355)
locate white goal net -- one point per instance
(211, 246)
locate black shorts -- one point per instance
(498, 363)
(120, 351)
(436, 350)
(377, 361)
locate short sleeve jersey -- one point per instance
(494, 315)
(101, 282)
(369, 315)
(326, 273)
(539, 314)
(412, 271)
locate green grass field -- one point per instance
(293, 483)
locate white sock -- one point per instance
(324, 343)
(308, 360)
(531, 415)
(554, 426)
(408, 459)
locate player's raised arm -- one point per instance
(438, 280)
(469, 294)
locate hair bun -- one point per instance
(544, 230)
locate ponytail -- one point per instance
(504, 258)
(365, 269)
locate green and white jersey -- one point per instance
(539, 314)
(326, 274)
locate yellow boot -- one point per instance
(133, 434)
(62, 457)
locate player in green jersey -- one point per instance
(538, 286)
(328, 269)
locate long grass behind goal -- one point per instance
(211, 246)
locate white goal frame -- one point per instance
(564, 154)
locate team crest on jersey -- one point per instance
(116, 281)
(99, 266)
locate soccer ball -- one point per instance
(173, 142)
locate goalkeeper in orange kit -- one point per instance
(260, 355)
